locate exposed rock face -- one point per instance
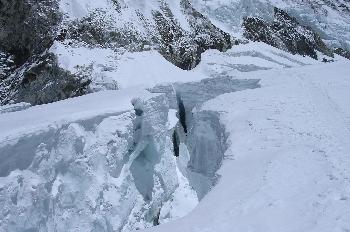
(27, 30)
(329, 19)
(184, 48)
(286, 33)
(160, 29)
(27, 27)
(42, 82)
(6, 65)
(342, 52)
(46, 82)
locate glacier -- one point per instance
(164, 115)
(129, 159)
(114, 169)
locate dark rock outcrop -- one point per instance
(342, 52)
(47, 82)
(181, 47)
(285, 32)
(27, 30)
(184, 48)
(27, 27)
(42, 82)
(94, 30)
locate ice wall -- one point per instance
(102, 174)
(120, 171)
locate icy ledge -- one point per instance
(111, 161)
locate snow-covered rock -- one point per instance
(330, 19)
(286, 33)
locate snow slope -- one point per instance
(287, 165)
(109, 70)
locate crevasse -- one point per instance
(119, 172)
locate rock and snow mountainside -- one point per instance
(31, 31)
(121, 115)
(330, 19)
(40, 41)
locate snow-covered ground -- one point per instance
(111, 70)
(287, 167)
(105, 161)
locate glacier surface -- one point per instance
(245, 136)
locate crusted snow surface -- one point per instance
(250, 57)
(14, 107)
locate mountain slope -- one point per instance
(330, 19)
(176, 30)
